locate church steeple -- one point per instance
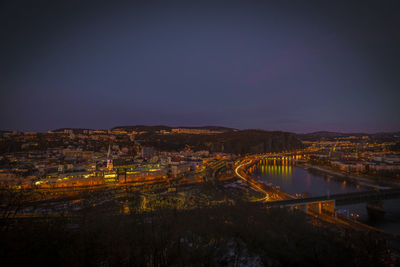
(109, 159)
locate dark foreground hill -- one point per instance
(227, 235)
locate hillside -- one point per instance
(324, 135)
(238, 142)
(154, 128)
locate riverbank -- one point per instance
(364, 181)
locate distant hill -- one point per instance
(140, 128)
(211, 128)
(238, 142)
(229, 141)
(75, 130)
(168, 128)
(325, 135)
(322, 135)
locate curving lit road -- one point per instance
(252, 183)
(271, 194)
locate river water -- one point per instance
(295, 180)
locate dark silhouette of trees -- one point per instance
(224, 235)
(237, 142)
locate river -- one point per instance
(296, 180)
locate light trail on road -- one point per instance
(250, 182)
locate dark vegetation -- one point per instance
(226, 235)
(183, 228)
(237, 142)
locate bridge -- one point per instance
(322, 207)
(328, 203)
(318, 205)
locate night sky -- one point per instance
(297, 66)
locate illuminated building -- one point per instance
(110, 177)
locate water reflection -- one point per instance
(275, 170)
(296, 180)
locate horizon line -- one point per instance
(204, 126)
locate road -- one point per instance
(271, 194)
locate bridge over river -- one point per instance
(342, 199)
(283, 184)
(328, 203)
(325, 203)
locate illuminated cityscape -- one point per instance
(208, 133)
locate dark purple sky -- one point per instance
(297, 66)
